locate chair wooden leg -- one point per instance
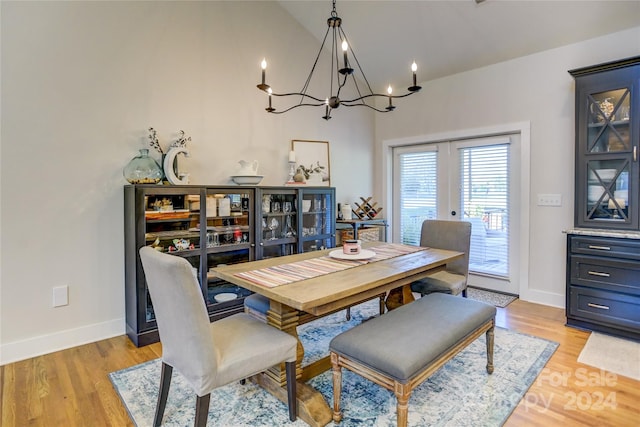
(165, 382)
(382, 297)
(202, 410)
(292, 401)
(348, 313)
(337, 387)
(490, 340)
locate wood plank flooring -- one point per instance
(71, 387)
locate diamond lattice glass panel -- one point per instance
(608, 190)
(608, 129)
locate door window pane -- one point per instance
(484, 201)
(418, 193)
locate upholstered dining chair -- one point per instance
(450, 235)
(208, 354)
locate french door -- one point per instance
(469, 180)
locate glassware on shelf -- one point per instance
(142, 169)
(289, 231)
(273, 225)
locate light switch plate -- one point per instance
(60, 296)
(549, 199)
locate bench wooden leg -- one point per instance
(337, 387)
(402, 392)
(490, 349)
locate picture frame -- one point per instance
(313, 155)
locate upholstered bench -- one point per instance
(402, 348)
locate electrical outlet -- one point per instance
(60, 296)
(549, 199)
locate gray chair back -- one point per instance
(450, 235)
(181, 316)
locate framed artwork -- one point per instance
(313, 158)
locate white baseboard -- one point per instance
(544, 297)
(36, 346)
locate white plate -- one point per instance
(364, 254)
(225, 296)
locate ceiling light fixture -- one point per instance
(338, 78)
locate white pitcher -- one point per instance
(248, 168)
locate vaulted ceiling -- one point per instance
(448, 37)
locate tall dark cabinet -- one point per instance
(603, 250)
(242, 224)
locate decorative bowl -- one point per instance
(225, 296)
(247, 179)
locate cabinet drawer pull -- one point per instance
(600, 248)
(597, 273)
(603, 307)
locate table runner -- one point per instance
(271, 277)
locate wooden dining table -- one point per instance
(317, 284)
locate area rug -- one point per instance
(460, 394)
(612, 354)
(493, 298)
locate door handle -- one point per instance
(601, 248)
(602, 307)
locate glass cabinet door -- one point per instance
(278, 225)
(170, 225)
(318, 219)
(607, 149)
(229, 240)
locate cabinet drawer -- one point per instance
(609, 274)
(619, 310)
(606, 247)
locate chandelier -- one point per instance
(338, 78)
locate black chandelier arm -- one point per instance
(296, 106)
(371, 95)
(362, 104)
(304, 95)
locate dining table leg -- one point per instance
(398, 297)
(312, 407)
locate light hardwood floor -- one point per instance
(71, 387)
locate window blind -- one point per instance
(484, 199)
(418, 193)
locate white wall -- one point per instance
(535, 89)
(81, 83)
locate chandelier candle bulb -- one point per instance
(263, 64)
(270, 109)
(345, 46)
(414, 68)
